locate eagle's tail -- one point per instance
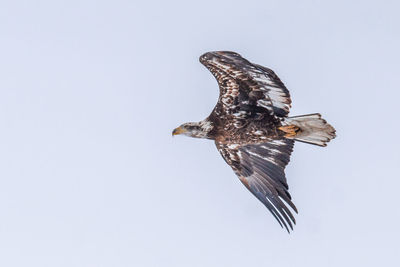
(310, 128)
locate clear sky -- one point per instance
(91, 90)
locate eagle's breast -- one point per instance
(247, 132)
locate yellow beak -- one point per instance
(178, 130)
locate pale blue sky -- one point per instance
(91, 90)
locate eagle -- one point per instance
(252, 130)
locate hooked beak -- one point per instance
(178, 131)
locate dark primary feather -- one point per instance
(246, 89)
(260, 167)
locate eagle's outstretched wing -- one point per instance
(246, 89)
(261, 169)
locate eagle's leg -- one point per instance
(290, 130)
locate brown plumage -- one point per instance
(251, 129)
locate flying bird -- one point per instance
(252, 131)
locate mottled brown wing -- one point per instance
(261, 169)
(246, 89)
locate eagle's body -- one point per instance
(252, 130)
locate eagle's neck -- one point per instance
(201, 129)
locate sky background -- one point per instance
(91, 90)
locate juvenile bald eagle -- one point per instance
(252, 130)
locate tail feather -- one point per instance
(310, 128)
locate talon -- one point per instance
(290, 130)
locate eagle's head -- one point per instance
(194, 129)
